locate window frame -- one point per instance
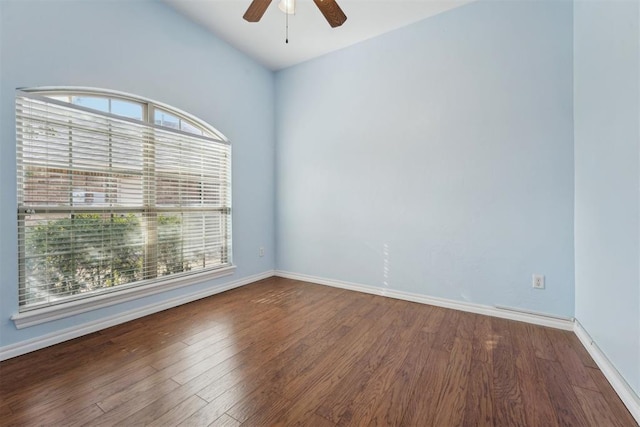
(103, 297)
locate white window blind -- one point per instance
(106, 202)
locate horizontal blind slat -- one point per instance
(99, 196)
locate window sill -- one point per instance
(48, 314)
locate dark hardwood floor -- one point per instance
(282, 352)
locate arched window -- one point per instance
(116, 193)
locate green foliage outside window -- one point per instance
(91, 251)
(171, 257)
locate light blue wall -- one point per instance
(436, 159)
(607, 193)
(144, 48)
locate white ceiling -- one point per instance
(310, 35)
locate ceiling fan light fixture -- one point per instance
(329, 8)
(287, 6)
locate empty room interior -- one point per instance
(420, 213)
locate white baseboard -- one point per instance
(23, 347)
(542, 319)
(628, 396)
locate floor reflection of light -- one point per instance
(492, 342)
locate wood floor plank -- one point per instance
(225, 421)
(466, 326)
(537, 404)
(279, 355)
(231, 380)
(484, 340)
(84, 417)
(178, 413)
(338, 360)
(42, 365)
(236, 384)
(281, 352)
(244, 339)
(577, 373)
(212, 411)
(579, 350)
(283, 413)
(229, 354)
(77, 384)
(214, 332)
(436, 316)
(336, 407)
(256, 404)
(508, 402)
(5, 410)
(451, 399)
(395, 400)
(423, 405)
(446, 333)
(342, 317)
(70, 400)
(36, 415)
(542, 346)
(133, 391)
(478, 408)
(177, 397)
(563, 398)
(231, 374)
(250, 368)
(143, 396)
(194, 354)
(614, 401)
(315, 420)
(596, 408)
(319, 379)
(280, 378)
(361, 405)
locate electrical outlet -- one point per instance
(261, 251)
(538, 281)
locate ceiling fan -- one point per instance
(329, 8)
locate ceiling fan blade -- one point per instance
(332, 12)
(256, 10)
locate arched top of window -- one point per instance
(129, 106)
